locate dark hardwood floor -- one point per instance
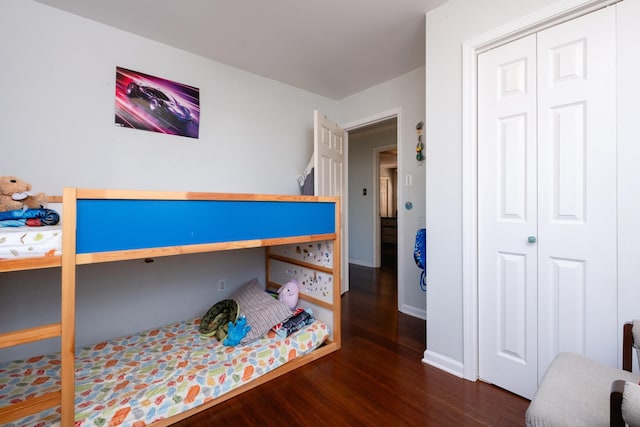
(375, 379)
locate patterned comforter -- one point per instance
(139, 379)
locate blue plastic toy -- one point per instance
(237, 332)
(420, 256)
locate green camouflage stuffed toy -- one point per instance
(216, 321)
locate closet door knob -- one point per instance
(532, 239)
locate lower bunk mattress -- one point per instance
(142, 378)
(29, 242)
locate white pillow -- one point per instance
(631, 404)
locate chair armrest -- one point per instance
(627, 346)
(615, 404)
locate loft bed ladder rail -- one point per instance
(28, 335)
(29, 407)
(68, 308)
(33, 405)
(36, 404)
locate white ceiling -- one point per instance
(333, 48)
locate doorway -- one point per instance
(387, 166)
(372, 170)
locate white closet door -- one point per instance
(507, 216)
(547, 201)
(577, 259)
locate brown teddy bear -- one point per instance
(16, 194)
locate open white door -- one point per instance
(328, 163)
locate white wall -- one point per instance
(406, 94)
(447, 28)
(361, 207)
(57, 82)
(58, 85)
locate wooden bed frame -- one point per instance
(317, 219)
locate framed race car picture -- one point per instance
(155, 104)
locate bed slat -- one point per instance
(111, 256)
(30, 263)
(29, 407)
(25, 336)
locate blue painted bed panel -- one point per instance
(113, 225)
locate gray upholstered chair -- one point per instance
(577, 391)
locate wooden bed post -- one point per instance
(68, 307)
(337, 274)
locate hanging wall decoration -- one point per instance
(155, 104)
(419, 145)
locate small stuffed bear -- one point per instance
(288, 294)
(236, 332)
(15, 194)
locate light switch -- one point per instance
(408, 179)
(364, 191)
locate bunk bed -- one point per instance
(301, 237)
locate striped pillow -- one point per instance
(262, 311)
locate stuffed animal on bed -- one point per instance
(288, 294)
(15, 194)
(236, 332)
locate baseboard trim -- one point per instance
(443, 363)
(414, 311)
(361, 263)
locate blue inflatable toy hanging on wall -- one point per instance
(420, 256)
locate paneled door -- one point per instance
(507, 216)
(328, 163)
(329, 156)
(385, 197)
(547, 201)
